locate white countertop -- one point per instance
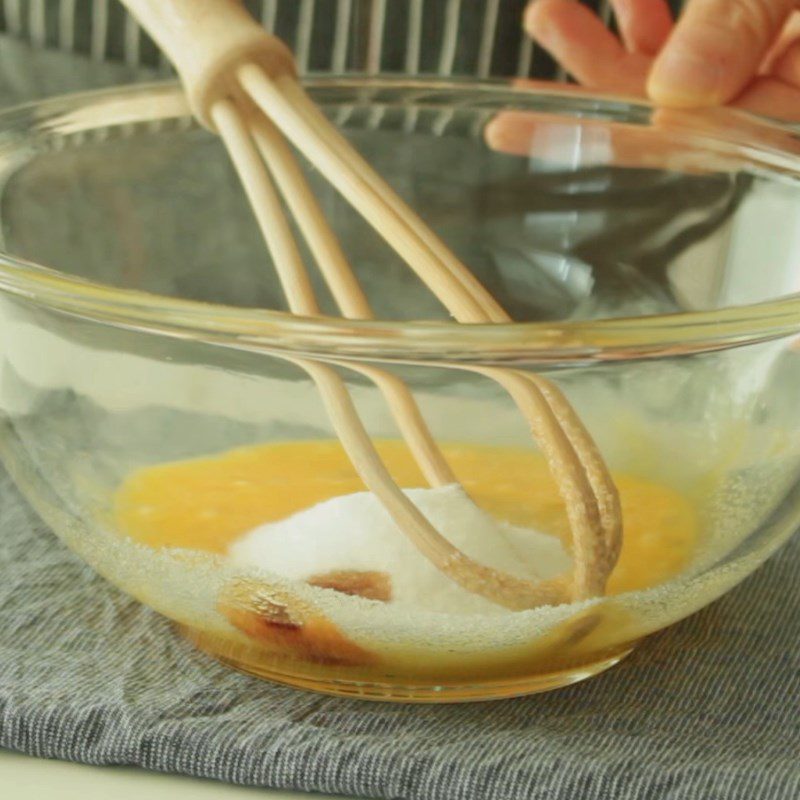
(26, 778)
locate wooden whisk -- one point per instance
(242, 84)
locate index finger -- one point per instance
(715, 50)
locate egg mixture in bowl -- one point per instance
(157, 413)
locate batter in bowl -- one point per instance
(283, 509)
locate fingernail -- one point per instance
(682, 78)
(495, 134)
(622, 12)
(540, 27)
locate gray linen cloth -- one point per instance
(706, 710)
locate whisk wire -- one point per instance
(267, 208)
(489, 310)
(347, 292)
(277, 99)
(321, 239)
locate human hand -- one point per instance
(744, 53)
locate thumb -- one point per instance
(715, 50)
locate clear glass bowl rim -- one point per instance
(328, 337)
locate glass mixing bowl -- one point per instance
(154, 413)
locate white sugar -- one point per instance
(354, 532)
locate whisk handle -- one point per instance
(207, 41)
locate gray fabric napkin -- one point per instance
(707, 710)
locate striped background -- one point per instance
(482, 38)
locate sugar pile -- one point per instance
(354, 532)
